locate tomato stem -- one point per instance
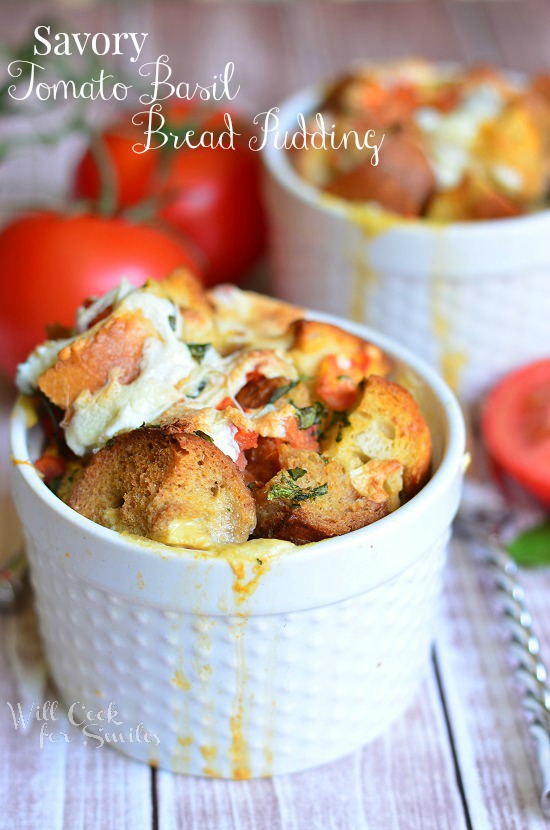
(108, 191)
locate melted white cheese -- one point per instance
(43, 357)
(117, 407)
(451, 135)
(85, 316)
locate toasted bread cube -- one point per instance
(168, 486)
(313, 341)
(519, 173)
(474, 198)
(402, 182)
(387, 425)
(187, 292)
(117, 346)
(310, 500)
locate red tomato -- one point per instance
(211, 195)
(50, 262)
(516, 427)
(134, 173)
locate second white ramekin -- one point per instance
(245, 664)
(471, 298)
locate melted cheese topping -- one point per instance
(118, 407)
(451, 136)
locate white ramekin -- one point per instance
(471, 298)
(242, 669)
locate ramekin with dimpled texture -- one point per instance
(471, 298)
(246, 668)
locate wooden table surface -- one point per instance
(460, 757)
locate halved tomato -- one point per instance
(516, 427)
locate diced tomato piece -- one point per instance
(246, 439)
(227, 401)
(339, 379)
(51, 465)
(301, 439)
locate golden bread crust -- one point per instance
(87, 363)
(153, 480)
(386, 425)
(335, 512)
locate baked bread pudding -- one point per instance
(198, 418)
(457, 144)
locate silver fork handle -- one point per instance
(524, 646)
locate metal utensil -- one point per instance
(483, 523)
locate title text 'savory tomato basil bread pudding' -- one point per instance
(200, 418)
(458, 145)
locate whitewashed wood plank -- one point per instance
(404, 779)
(494, 750)
(202, 804)
(59, 785)
(408, 776)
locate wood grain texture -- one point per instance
(404, 779)
(494, 750)
(67, 784)
(407, 779)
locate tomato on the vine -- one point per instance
(212, 195)
(133, 173)
(516, 427)
(49, 262)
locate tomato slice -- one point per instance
(516, 427)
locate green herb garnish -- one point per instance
(283, 390)
(172, 321)
(309, 416)
(296, 473)
(341, 418)
(204, 435)
(54, 484)
(288, 490)
(532, 547)
(198, 350)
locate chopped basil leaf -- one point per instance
(204, 435)
(287, 489)
(283, 390)
(296, 473)
(54, 484)
(532, 547)
(340, 418)
(172, 321)
(259, 561)
(198, 350)
(309, 416)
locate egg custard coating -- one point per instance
(166, 485)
